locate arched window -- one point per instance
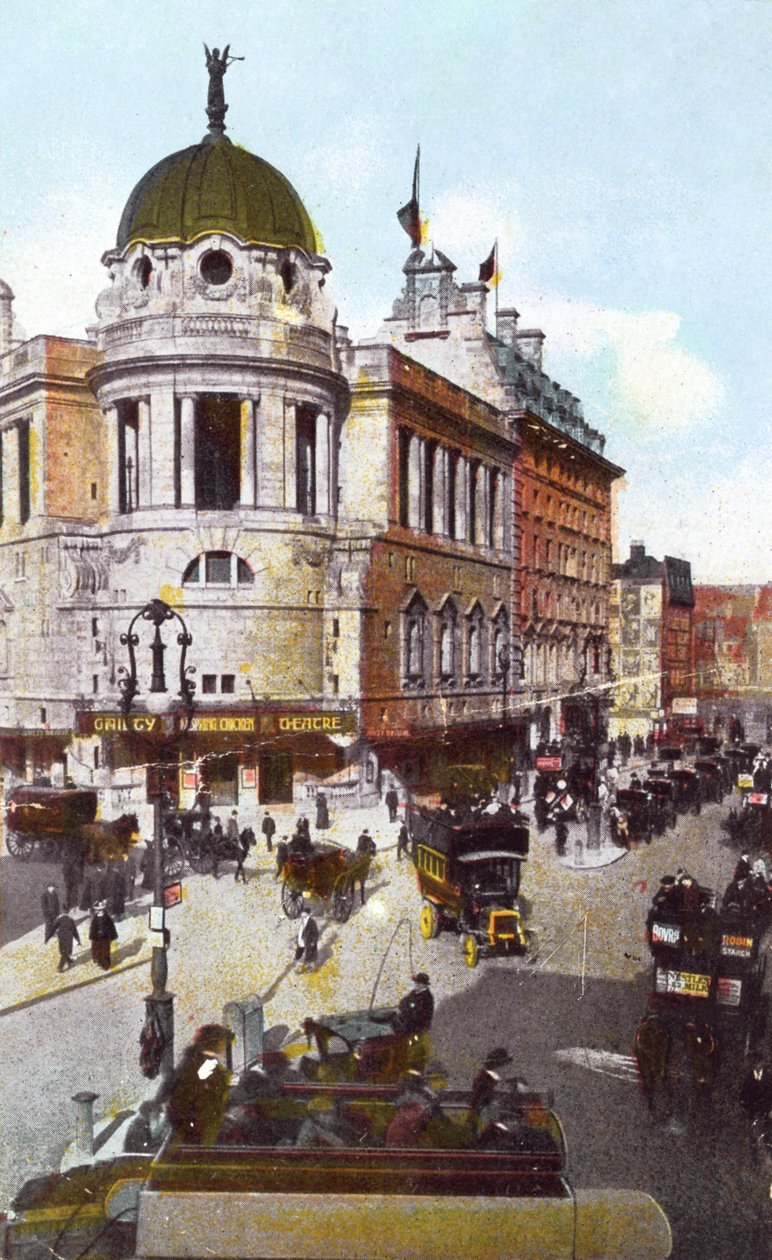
(499, 644)
(414, 643)
(475, 646)
(218, 568)
(448, 643)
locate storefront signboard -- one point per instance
(271, 723)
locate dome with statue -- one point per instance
(216, 186)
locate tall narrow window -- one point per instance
(305, 461)
(494, 491)
(24, 472)
(448, 643)
(128, 456)
(403, 439)
(2, 478)
(217, 447)
(452, 466)
(429, 452)
(474, 523)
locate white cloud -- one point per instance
(630, 364)
(347, 165)
(465, 221)
(721, 522)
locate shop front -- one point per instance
(238, 757)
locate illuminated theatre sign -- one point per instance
(273, 723)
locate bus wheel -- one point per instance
(429, 921)
(471, 952)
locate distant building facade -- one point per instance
(652, 638)
(733, 652)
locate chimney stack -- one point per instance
(530, 342)
(6, 317)
(506, 326)
(637, 551)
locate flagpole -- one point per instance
(496, 278)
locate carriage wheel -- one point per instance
(471, 950)
(291, 901)
(174, 861)
(20, 846)
(429, 921)
(342, 901)
(531, 944)
(200, 857)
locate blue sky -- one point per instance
(619, 150)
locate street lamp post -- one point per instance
(159, 1004)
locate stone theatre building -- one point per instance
(359, 537)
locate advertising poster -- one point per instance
(384, 480)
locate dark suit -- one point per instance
(66, 935)
(416, 1011)
(50, 903)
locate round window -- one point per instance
(216, 267)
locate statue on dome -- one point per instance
(215, 104)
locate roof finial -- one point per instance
(216, 108)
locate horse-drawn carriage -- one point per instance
(64, 819)
(663, 792)
(642, 813)
(356, 1046)
(688, 784)
(712, 773)
(324, 870)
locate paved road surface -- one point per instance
(586, 992)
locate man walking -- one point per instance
(242, 849)
(366, 847)
(403, 842)
(391, 801)
(50, 903)
(66, 934)
(308, 939)
(268, 829)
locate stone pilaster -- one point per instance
(162, 471)
(187, 451)
(114, 469)
(290, 446)
(415, 482)
(11, 475)
(440, 481)
(248, 485)
(323, 464)
(144, 453)
(462, 499)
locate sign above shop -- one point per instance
(273, 722)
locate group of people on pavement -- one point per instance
(60, 924)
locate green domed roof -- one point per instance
(215, 186)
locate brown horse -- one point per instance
(108, 840)
(652, 1054)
